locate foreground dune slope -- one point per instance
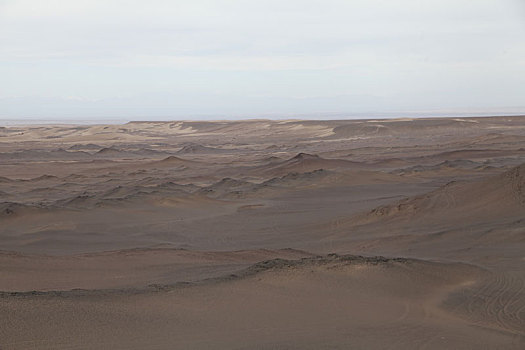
(331, 302)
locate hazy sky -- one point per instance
(226, 58)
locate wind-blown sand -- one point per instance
(404, 234)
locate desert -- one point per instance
(264, 234)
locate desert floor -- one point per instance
(361, 234)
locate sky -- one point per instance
(229, 59)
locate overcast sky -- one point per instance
(230, 59)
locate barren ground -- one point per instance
(376, 234)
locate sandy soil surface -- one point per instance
(376, 234)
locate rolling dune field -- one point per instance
(258, 234)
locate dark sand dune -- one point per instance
(492, 139)
(126, 269)
(328, 178)
(113, 152)
(228, 186)
(465, 221)
(272, 159)
(280, 304)
(12, 209)
(36, 155)
(304, 162)
(125, 196)
(196, 149)
(296, 181)
(6, 180)
(446, 166)
(497, 197)
(473, 154)
(89, 146)
(174, 161)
